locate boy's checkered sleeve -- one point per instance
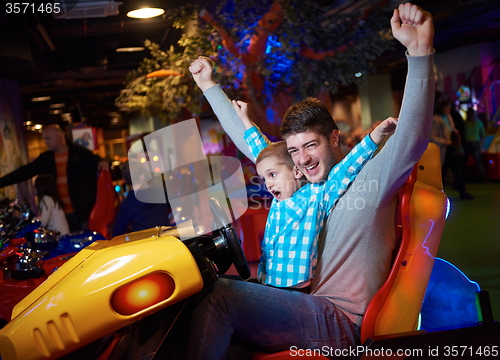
(255, 140)
(344, 173)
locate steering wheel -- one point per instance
(230, 238)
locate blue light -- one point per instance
(427, 249)
(117, 188)
(450, 298)
(474, 283)
(278, 64)
(270, 114)
(448, 208)
(358, 74)
(271, 44)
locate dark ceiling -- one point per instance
(74, 60)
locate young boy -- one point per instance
(297, 213)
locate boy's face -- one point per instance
(313, 154)
(281, 181)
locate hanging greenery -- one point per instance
(261, 48)
(162, 85)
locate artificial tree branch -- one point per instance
(266, 25)
(227, 41)
(310, 53)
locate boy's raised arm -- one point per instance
(241, 109)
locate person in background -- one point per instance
(50, 205)
(474, 135)
(135, 215)
(441, 131)
(73, 167)
(448, 138)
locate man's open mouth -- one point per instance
(311, 169)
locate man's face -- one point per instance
(313, 153)
(53, 139)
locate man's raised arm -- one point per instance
(413, 27)
(221, 105)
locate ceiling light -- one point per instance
(130, 44)
(66, 117)
(145, 13)
(57, 106)
(130, 49)
(144, 9)
(55, 112)
(41, 98)
(38, 126)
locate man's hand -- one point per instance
(201, 69)
(383, 129)
(413, 27)
(241, 109)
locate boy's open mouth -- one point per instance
(276, 194)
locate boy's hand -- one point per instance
(201, 69)
(383, 129)
(241, 109)
(413, 27)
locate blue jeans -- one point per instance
(271, 318)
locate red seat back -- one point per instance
(422, 208)
(103, 213)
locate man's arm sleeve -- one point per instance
(23, 173)
(229, 119)
(393, 164)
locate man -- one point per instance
(356, 246)
(75, 170)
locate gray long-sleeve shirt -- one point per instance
(357, 242)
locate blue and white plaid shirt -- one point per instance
(290, 244)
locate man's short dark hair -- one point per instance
(309, 114)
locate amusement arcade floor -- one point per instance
(471, 237)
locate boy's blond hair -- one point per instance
(279, 152)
